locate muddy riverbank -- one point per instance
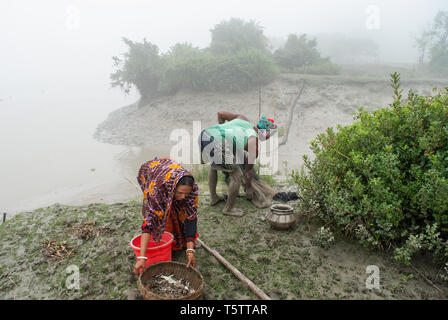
(284, 264)
(326, 102)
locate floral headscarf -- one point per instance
(158, 179)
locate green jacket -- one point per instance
(237, 130)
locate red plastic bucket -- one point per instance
(156, 251)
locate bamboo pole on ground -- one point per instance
(252, 287)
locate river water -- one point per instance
(48, 154)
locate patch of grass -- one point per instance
(269, 179)
(200, 172)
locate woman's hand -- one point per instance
(191, 260)
(140, 264)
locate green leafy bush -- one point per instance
(234, 35)
(181, 56)
(384, 179)
(239, 72)
(207, 72)
(237, 59)
(190, 68)
(324, 237)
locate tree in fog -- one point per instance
(299, 52)
(237, 60)
(343, 49)
(439, 49)
(234, 35)
(140, 66)
(422, 43)
(434, 40)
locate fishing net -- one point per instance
(260, 193)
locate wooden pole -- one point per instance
(4, 217)
(291, 114)
(252, 287)
(427, 280)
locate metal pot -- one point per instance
(281, 216)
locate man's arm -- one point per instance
(224, 116)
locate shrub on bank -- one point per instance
(300, 55)
(384, 179)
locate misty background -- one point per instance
(56, 60)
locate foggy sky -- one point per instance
(41, 47)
